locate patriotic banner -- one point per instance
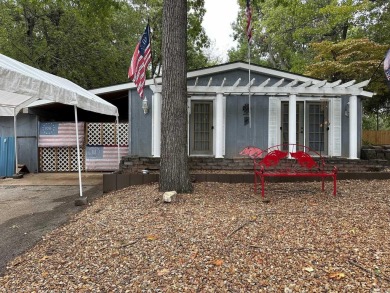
(60, 134)
(386, 67)
(248, 13)
(103, 158)
(140, 61)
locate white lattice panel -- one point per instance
(94, 134)
(105, 134)
(62, 159)
(109, 134)
(123, 134)
(73, 159)
(47, 159)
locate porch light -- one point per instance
(145, 106)
(346, 110)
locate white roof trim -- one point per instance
(347, 84)
(308, 86)
(321, 88)
(246, 66)
(208, 71)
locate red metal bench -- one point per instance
(290, 160)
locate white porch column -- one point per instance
(219, 126)
(292, 122)
(156, 124)
(353, 143)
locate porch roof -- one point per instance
(281, 88)
(287, 83)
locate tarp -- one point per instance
(19, 78)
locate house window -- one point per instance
(201, 128)
(317, 138)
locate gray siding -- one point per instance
(239, 135)
(140, 125)
(6, 126)
(360, 125)
(345, 126)
(27, 144)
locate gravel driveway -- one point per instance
(221, 238)
(35, 205)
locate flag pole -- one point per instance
(248, 13)
(249, 84)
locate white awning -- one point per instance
(22, 79)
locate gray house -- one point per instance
(227, 112)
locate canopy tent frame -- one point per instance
(10, 105)
(29, 84)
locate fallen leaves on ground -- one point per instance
(220, 238)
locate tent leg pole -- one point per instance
(16, 147)
(78, 150)
(117, 138)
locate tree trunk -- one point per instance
(174, 171)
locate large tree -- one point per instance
(197, 39)
(174, 170)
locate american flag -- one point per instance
(103, 158)
(248, 13)
(386, 66)
(140, 61)
(60, 134)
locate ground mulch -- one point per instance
(221, 238)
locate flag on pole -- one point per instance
(386, 66)
(248, 13)
(140, 61)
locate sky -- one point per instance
(217, 23)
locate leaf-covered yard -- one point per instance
(220, 238)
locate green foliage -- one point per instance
(350, 59)
(327, 39)
(90, 41)
(74, 40)
(283, 29)
(353, 59)
(376, 121)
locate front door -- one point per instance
(317, 127)
(312, 128)
(201, 128)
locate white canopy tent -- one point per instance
(21, 85)
(10, 105)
